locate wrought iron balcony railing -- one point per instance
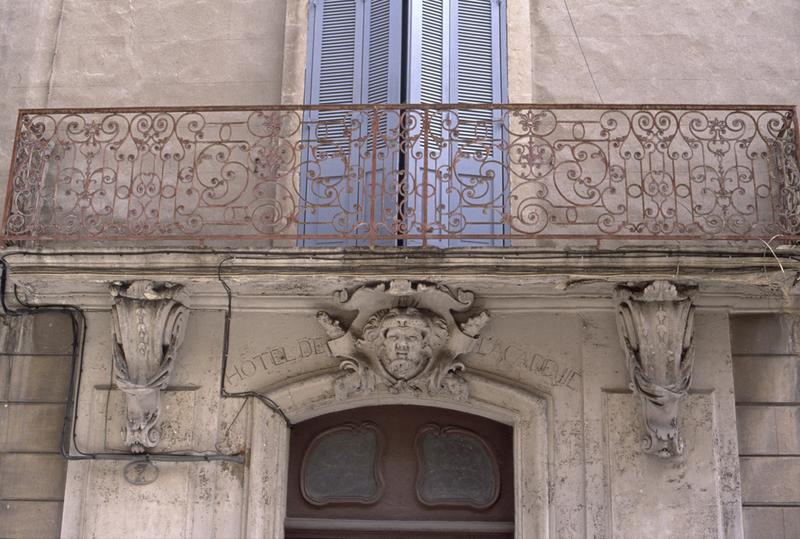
(442, 175)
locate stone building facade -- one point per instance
(159, 385)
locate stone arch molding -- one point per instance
(438, 379)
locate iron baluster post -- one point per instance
(373, 179)
(426, 128)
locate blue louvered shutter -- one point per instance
(476, 77)
(354, 57)
(456, 56)
(428, 83)
(330, 191)
(428, 51)
(381, 85)
(382, 55)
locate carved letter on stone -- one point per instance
(148, 326)
(655, 326)
(404, 339)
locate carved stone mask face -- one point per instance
(404, 356)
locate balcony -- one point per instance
(406, 175)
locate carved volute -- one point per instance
(655, 326)
(404, 339)
(148, 323)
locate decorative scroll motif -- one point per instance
(148, 328)
(455, 467)
(404, 339)
(342, 465)
(787, 169)
(655, 324)
(492, 172)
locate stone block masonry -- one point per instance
(35, 359)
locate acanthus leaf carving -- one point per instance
(148, 325)
(404, 339)
(656, 325)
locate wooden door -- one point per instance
(400, 472)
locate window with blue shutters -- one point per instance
(402, 51)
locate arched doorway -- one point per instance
(400, 472)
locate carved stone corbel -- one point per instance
(148, 324)
(655, 326)
(404, 339)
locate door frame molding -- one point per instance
(527, 410)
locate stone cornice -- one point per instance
(509, 279)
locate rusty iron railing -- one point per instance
(408, 175)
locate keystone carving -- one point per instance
(403, 339)
(148, 327)
(655, 326)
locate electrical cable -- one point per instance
(225, 347)
(79, 326)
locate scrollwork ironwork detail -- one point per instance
(386, 172)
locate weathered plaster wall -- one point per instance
(647, 51)
(72, 53)
(601, 484)
(188, 499)
(631, 494)
(63, 53)
(129, 53)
